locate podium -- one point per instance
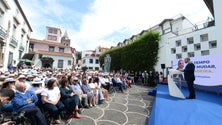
(173, 88)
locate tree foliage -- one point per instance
(139, 55)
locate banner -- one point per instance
(208, 69)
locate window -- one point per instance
(61, 50)
(69, 62)
(178, 56)
(50, 37)
(178, 43)
(53, 31)
(166, 30)
(40, 56)
(190, 54)
(1, 13)
(20, 54)
(22, 37)
(97, 61)
(205, 52)
(197, 47)
(184, 49)
(190, 40)
(213, 44)
(91, 61)
(10, 58)
(86, 55)
(203, 37)
(60, 63)
(51, 48)
(14, 31)
(173, 50)
(31, 47)
(90, 67)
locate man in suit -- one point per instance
(189, 77)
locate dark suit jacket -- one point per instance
(189, 72)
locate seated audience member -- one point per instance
(10, 84)
(51, 100)
(6, 95)
(77, 89)
(28, 81)
(100, 88)
(87, 90)
(36, 87)
(118, 80)
(24, 101)
(104, 81)
(70, 99)
(125, 81)
(115, 83)
(2, 79)
(99, 98)
(22, 78)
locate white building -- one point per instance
(15, 33)
(180, 38)
(197, 40)
(90, 58)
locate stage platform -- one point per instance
(206, 109)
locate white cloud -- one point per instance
(109, 21)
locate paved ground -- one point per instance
(130, 108)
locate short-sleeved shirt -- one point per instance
(51, 94)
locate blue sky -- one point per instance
(93, 23)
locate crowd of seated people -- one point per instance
(59, 92)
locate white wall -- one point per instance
(65, 59)
(7, 23)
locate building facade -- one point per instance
(51, 53)
(180, 38)
(90, 58)
(15, 33)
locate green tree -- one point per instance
(138, 56)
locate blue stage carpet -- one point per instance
(206, 109)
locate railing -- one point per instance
(2, 32)
(198, 26)
(13, 42)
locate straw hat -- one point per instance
(21, 77)
(37, 81)
(9, 80)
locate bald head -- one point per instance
(20, 86)
(186, 60)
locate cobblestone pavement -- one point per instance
(130, 108)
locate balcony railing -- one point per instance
(2, 33)
(13, 42)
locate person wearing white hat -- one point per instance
(2, 78)
(22, 78)
(28, 81)
(9, 83)
(36, 86)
